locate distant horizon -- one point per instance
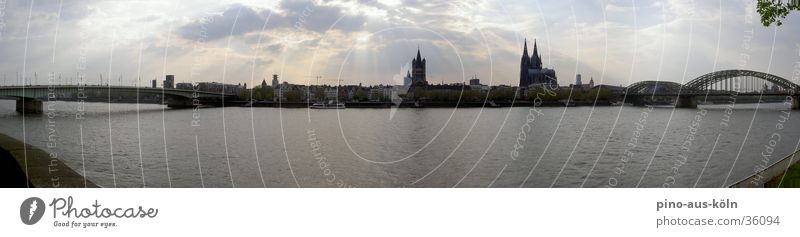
(268, 83)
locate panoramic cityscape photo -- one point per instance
(399, 94)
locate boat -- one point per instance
(620, 103)
(328, 105)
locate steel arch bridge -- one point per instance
(648, 87)
(725, 81)
(732, 80)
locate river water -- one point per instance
(129, 145)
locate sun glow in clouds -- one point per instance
(166, 31)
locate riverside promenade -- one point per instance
(782, 174)
(23, 165)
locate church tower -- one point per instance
(524, 64)
(536, 59)
(531, 71)
(418, 71)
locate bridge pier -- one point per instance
(635, 100)
(29, 106)
(686, 101)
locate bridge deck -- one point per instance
(44, 91)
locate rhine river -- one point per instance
(125, 145)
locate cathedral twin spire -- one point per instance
(535, 60)
(531, 71)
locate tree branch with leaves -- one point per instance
(773, 11)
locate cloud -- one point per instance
(612, 8)
(234, 20)
(304, 38)
(319, 18)
(237, 19)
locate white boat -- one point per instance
(328, 105)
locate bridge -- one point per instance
(30, 98)
(726, 83)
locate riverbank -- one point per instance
(789, 179)
(42, 171)
(783, 174)
(427, 104)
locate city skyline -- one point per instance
(632, 111)
(246, 42)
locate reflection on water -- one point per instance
(497, 147)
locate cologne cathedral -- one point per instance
(531, 72)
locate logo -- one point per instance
(31, 210)
(400, 87)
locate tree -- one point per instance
(245, 94)
(263, 88)
(360, 95)
(501, 94)
(319, 94)
(293, 95)
(257, 95)
(268, 93)
(774, 11)
(547, 94)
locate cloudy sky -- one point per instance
(369, 42)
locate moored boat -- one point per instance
(328, 105)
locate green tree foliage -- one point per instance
(264, 88)
(507, 94)
(269, 93)
(257, 93)
(586, 95)
(319, 94)
(360, 95)
(547, 94)
(773, 11)
(501, 94)
(472, 95)
(246, 94)
(293, 95)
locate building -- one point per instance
(380, 93)
(155, 83)
(531, 72)
(331, 93)
(375, 94)
(279, 90)
(184, 86)
(407, 80)
(275, 82)
(169, 82)
(418, 71)
(217, 87)
(579, 84)
(475, 81)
